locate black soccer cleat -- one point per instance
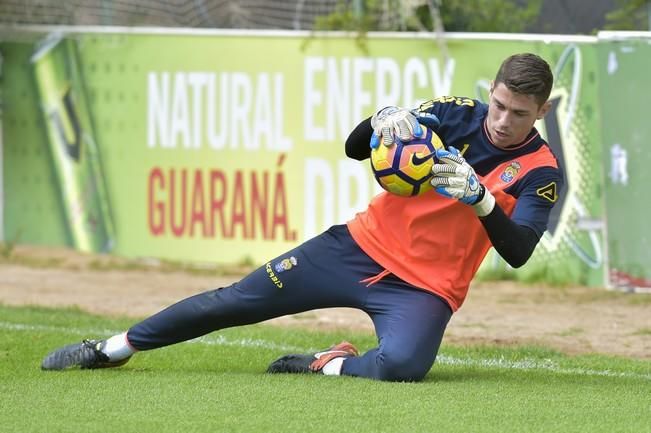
(313, 363)
(87, 354)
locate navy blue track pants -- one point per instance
(323, 272)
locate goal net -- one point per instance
(222, 14)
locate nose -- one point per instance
(503, 121)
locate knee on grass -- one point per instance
(399, 366)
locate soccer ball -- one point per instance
(406, 168)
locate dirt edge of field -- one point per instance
(574, 320)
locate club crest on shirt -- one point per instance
(510, 172)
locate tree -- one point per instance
(631, 15)
(503, 16)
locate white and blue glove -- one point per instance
(391, 123)
(455, 178)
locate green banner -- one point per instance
(73, 149)
(625, 129)
(229, 147)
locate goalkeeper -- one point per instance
(406, 262)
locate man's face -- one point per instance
(511, 115)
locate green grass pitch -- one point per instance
(218, 384)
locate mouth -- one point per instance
(500, 134)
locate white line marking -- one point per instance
(220, 340)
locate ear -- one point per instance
(491, 88)
(542, 111)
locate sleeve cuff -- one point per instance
(485, 205)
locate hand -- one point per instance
(455, 178)
(392, 122)
(428, 119)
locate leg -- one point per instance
(410, 324)
(323, 273)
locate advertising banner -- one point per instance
(72, 145)
(230, 147)
(625, 92)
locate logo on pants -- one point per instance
(285, 264)
(281, 266)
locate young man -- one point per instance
(406, 262)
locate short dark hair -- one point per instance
(526, 74)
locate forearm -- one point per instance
(357, 144)
(515, 243)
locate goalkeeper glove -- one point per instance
(455, 178)
(394, 122)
